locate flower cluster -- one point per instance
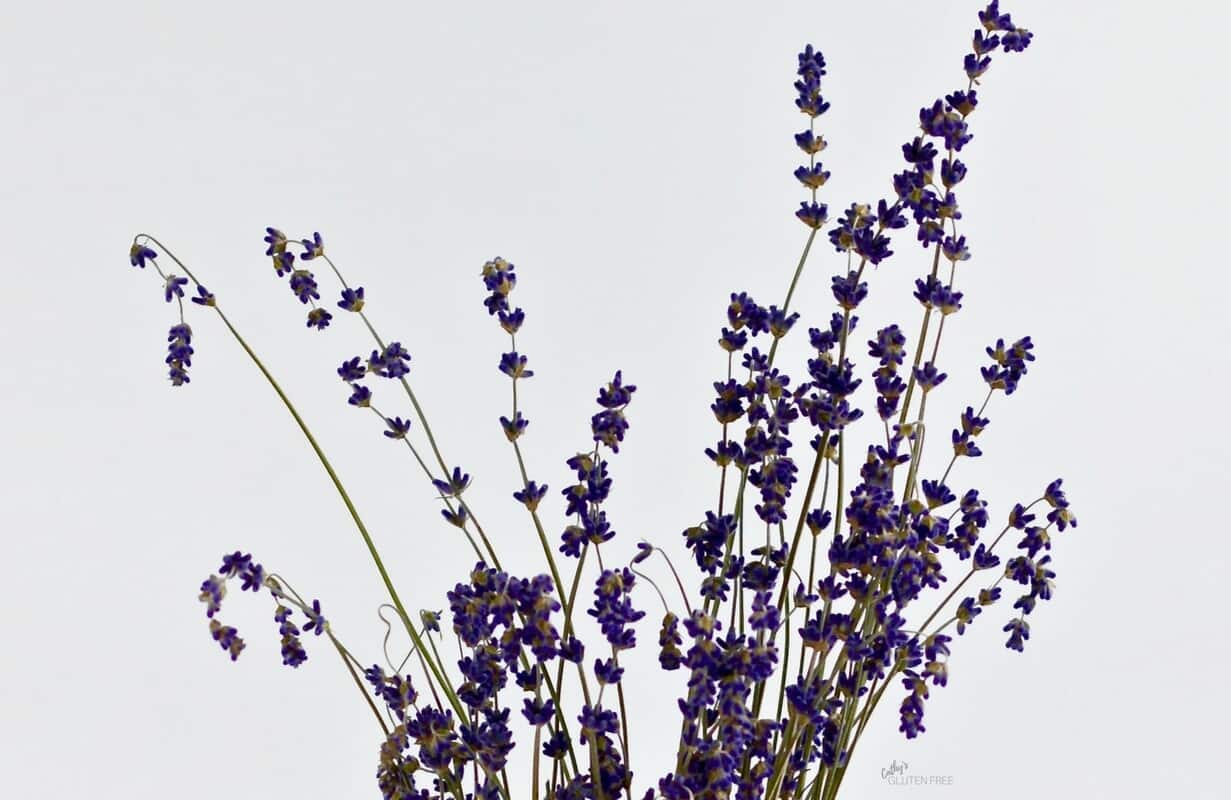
(396, 774)
(726, 748)
(179, 353)
(888, 556)
(1029, 569)
(830, 621)
(765, 400)
(889, 348)
(499, 279)
(303, 281)
(391, 362)
(613, 608)
(609, 424)
(179, 338)
(253, 577)
(584, 501)
(505, 624)
(809, 101)
(1009, 366)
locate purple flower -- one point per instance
(889, 346)
(174, 287)
(252, 578)
(813, 177)
(609, 427)
(964, 445)
(983, 45)
(316, 620)
(213, 589)
(955, 249)
(538, 712)
(293, 653)
(360, 396)
(352, 299)
(975, 66)
(952, 172)
(394, 360)
(456, 518)
(780, 323)
(596, 720)
(985, 559)
(811, 70)
(1016, 40)
(227, 637)
(234, 564)
(531, 495)
(1010, 364)
(351, 370)
(511, 321)
(993, 20)
(1019, 632)
(1062, 518)
(204, 297)
(733, 341)
(303, 286)
(669, 641)
(499, 279)
(312, 248)
(398, 428)
(571, 649)
(276, 240)
(608, 672)
(812, 214)
(138, 254)
(973, 424)
(454, 485)
(848, 291)
(179, 353)
(514, 365)
(809, 142)
(966, 613)
(284, 263)
(937, 494)
(319, 318)
(928, 377)
(613, 609)
(919, 151)
(615, 394)
(514, 428)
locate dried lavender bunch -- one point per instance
(790, 642)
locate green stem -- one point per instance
(923, 333)
(346, 659)
(337, 483)
(427, 428)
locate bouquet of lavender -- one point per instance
(808, 607)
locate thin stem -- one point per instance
(346, 659)
(333, 477)
(427, 428)
(923, 333)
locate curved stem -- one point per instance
(346, 659)
(333, 477)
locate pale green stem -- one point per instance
(337, 483)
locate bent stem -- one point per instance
(334, 479)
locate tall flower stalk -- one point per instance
(810, 602)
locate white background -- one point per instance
(634, 162)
